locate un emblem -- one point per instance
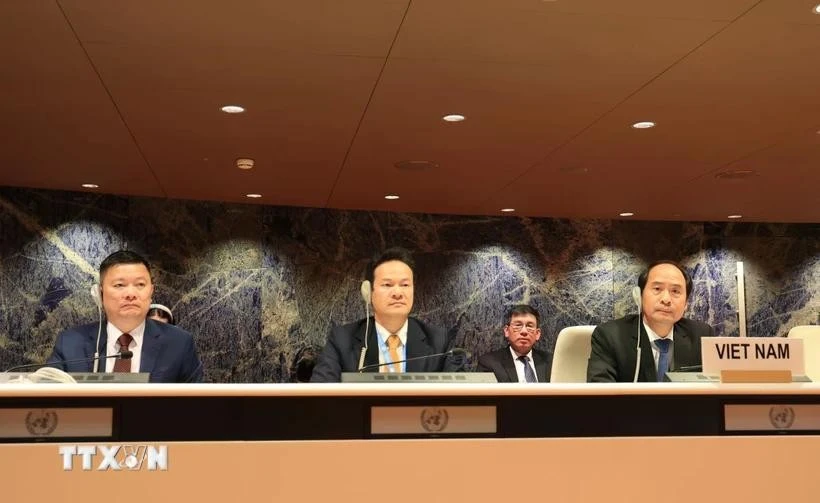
(41, 422)
(781, 417)
(434, 419)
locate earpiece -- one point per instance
(96, 294)
(366, 290)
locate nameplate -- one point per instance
(752, 353)
(803, 417)
(56, 423)
(433, 420)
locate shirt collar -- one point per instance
(654, 337)
(114, 333)
(515, 355)
(384, 333)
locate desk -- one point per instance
(563, 443)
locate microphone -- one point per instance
(367, 291)
(636, 296)
(690, 368)
(454, 351)
(125, 355)
(95, 294)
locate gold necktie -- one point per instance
(393, 343)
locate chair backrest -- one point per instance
(572, 348)
(811, 348)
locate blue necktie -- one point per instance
(529, 373)
(663, 357)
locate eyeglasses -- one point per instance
(517, 327)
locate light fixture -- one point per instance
(253, 196)
(507, 210)
(416, 165)
(735, 217)
(735, 174)
(816, 9)
(453, 118)
(90, 186)
(232, 109)
(391, 197)
(244, 163)
(626, 214)
(643, 125)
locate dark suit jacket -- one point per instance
(168, 352)
(345, 343)
(613, 349)
(501, 364)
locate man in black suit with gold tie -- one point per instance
(519, 362)
(384, 341)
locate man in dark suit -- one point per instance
(381, 343)
(515, 362)
(667, 340)
(164, 351)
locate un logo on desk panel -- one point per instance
(434, 419)
(782, 417)
(41, 422)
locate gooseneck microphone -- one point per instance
(454, 351)
(124, 355)
(367, 290)
(95, 294)
(636, 296)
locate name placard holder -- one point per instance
(755, 376)
(753, 359)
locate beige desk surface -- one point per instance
(611, 470)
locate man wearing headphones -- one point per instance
(163, 350)
(667, 340)
(382, 343)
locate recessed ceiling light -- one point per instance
(253, 196)
(453, 118)
(90, 186)
(232, 109)
(507, 210)
(816, 9)
(244, 163)
(391, 197)
(735, 217)
(626, 214)
(643, 125)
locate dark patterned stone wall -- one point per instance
(256, 284)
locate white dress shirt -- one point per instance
(519, 365)
(112, 347)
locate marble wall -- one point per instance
(256, 284)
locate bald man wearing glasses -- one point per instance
(519, 362)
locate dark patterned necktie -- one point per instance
(529, 373)
(121, 365)
(663, 358)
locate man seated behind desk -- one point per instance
(515, 362)
(392, 335)
(668, 341)
(165, 351)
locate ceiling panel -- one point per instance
(59, 126)
(127, 94)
